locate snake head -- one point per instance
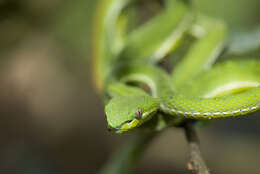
(128, 112)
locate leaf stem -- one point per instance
(126, 159)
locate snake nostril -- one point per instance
(110, 129)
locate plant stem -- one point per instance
(196, 164)
(126, 159)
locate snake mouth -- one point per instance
(131, 124)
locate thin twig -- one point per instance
(196, 164)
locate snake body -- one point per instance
(228, 106)
(196, 88)
(176, 104)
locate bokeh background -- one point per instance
(52, 120)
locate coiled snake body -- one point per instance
(197, 87)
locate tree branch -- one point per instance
(196, 164)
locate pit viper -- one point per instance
(129, 74)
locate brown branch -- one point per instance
(196, 164)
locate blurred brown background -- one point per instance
(52, 120)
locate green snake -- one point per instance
(136, 88)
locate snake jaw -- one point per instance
(134, 111)
(131, 124)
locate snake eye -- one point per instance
(138, 114)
